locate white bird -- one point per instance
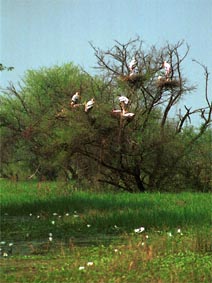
(133, 67)
(124, 99)
(167, 68)
(89, 104)
(129, 115)
(75, 97)
(133, 64)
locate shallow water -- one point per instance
(23, 243)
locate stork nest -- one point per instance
(134, 79)
(164, 83)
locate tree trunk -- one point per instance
(139, 183)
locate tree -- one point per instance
(34, 132)
(146, 154)
(142, 154)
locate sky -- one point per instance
(44, 33)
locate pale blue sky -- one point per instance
(38, 33)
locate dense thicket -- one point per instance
(43, 137)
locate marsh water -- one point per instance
(20, 235)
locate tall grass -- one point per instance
(101, 211)
(152, 210)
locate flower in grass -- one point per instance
(30, 214)
(116, 227)
(139, 230)
(179, 231)
(89, 263)
(88, 225)
(38, 216)
(3, 243)
(5, 254)
(67, 214)
(53, 222)
(10, 244)
(50, 237)
(147, 237)
(169, 234)
(117, 251)
(81, 268)
(54, 214)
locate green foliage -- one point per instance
(34, 132)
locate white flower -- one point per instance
(116, 250)
(116, 227)
(76, 215)
(53, 222)
(50, 239)
(10, 244)
(179, 231)
(3, 243)
(30, 214)
(81, 268)
(169, 234)
(147, 237)
(5, 254)
(38, 216)
(50, 234)
(88, 225)
(55, 214)
(90, 263)
(67, 214)
(139, 230)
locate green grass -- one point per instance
(88, 226)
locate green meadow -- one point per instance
(51, 232)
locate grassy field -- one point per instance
(52, 233)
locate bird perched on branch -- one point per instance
(89, 105)
(75, 99)
(132, 66)
(123, 102)
(167, 68)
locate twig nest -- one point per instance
(167, 83)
